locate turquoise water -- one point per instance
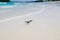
(6, 3)
(24, 3)
(13, 3)
(21, 3)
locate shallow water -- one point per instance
(19, 9)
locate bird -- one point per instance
(28, 21)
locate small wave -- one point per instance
(6, 6)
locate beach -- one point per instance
(45, 23)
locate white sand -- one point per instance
(45, 24)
